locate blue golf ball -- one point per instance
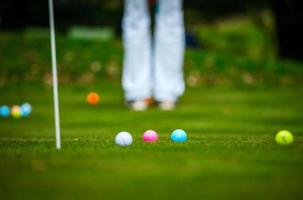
(4, 111)
(179, 136)
(26, 109)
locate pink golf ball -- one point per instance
(150, 136)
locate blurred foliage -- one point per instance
(244, 35)
(27, 58)
(236, 45)
(24, 58)
(211, 68)
(17, 14)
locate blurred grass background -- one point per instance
(237, 46)
(250, 61)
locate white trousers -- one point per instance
(153, 68)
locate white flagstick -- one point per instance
(55, 75)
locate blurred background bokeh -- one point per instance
(253, 42)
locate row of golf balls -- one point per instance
(16, 111)
(125, 138)
(283, 137)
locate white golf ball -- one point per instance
(124, 139)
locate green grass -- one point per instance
(231, 153)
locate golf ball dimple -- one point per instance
(178, 135)
(4, 111)
(150, 136)
(16, 111)
(26, 109)
(284, 137)
(124, 139)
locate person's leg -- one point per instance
(169, 51)
(137, 50)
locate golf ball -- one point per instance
(150, 136)
(4, 111)
(284, 137)
(124, 139)
(178, 136)
(16, 111)
(26, 109)
(93, 98)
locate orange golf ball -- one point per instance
(93, 98)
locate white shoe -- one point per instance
(167, 105)
(138, 106)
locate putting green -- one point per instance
(230, 153)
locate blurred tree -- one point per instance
(16, 14)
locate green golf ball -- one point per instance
(284, 137)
